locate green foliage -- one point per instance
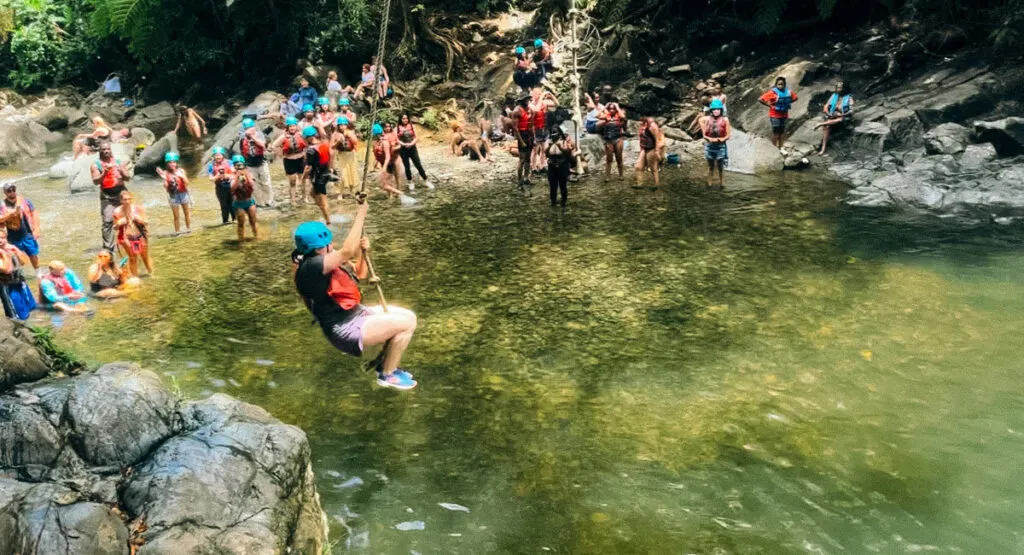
(432, 119)
(60, 360)
(43, 42)
(384, 115)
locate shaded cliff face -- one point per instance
(111, 458)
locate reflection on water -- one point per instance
(680, 371)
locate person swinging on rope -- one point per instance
(327, 279)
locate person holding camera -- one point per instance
(242, 189)
(561, 154)
(318, 168)
(254, 148)
(220, 171)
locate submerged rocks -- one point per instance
(215, 475)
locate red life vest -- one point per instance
(293, 144)
(378, 151)
(407, 132)
(346, 144)
(223, 165)
(647, 139)
(323, 150)
(717, 126)
(244, 188)
(343, 288)
(524, 120)
(250, 149)
(62, 285)
(540, 117)
(111, 174)
(173, 183)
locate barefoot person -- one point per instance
(110, 176)
(540, 103)
(650, 139)
(133, 234)
(779, 99)
(612, 124)
(462, 145)
(254, 148)
(106, 279)
(242, 189)
(838, 111)
(15, 295)
(220, 171)
(292, 146)
(327, 279)
(18, 216)
(318, 169)
(561, 154)
(345, 143)
(716, 131)
(384, 153)
(523, 129)
(61, 290)
(85, 143)
(195, 124)
(176, 185)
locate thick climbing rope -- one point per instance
(374, 97)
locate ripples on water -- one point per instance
(680, 371)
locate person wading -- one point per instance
(254, 148)
(407, 140)
(384, 153)
(650, 150)
(612, 124)
(716, 131)
(292, 146)
(242, 189)
(345, 143)
(561, 156)
(19, 217)
(318, 169)
(523, 119)
(327, 279)
(176, 184)
(133, 234)
(220, 171)
(111, 177)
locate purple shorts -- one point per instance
(347, 335)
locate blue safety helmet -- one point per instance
(238, 159)
(309, 132)
(220, 150)
(345, 102)
(538, 43)
(171, 157)
(307, 107)
(520, 50)
(294, 97)
(290, 120)
(717, 104)
(310, 236)
(342, 121)
(248, 123)
(377, 129)
(323, 101)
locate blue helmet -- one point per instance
(345, 102)
(294, 97)
(538, 43)
(307, 107)
(342, 121)
(248, 123)
(219, 150)
(238, 159)
(717, 104)
(322, 101)
(377, 129)
(310, 236)
(171, 157)
(309, 132)
(290, 120)
(520, 51)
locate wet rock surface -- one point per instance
(92, 463)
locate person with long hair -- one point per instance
(133, 234)
(86, 143)
(410, 154)
(838, 111)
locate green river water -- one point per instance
(682, 371)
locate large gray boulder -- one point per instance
(265, 107)
(947, 138)
(977, 157)
(19, 360)
(752, 155)
(56, 117)
(23, 139)
(160, 118)
(153, 156)
(1006, 135)
(751, 116)
(79, 176)
(210, 476)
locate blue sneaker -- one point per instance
(398, 379)
(403, 373)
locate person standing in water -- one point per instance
(651, 140)
(133, 234)
(15, 295)
(561, 155)
(254, 148)
(220, 171)
(18, 216)
(327, 279)
(524, 118)
(318, 169)
(779, 100)
(345, 143)
(176, 185)
(110, 176)
(716, 131)
(384, 153)
(325, 117)
(838, 110)
(242, 189)
(612, 124)
(410, 154)
(293, 151)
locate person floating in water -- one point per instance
(779, 100)
(61, 290)
(18, 216)
(327, 279)
(838, 110)
(716, 131)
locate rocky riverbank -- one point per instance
(110, 460)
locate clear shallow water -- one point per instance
(681, 371)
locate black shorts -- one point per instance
(541, 135)
(779, 125)
(528, 140)
(320, 183)
(294, 166)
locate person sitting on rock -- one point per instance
(542, 58)
(307, 94)
(21, 221)
(383, 79)
(61, 290)
(107, 280)
(335, 91)
(651, 141)
(327, 280)
(86, 143)
(716, 131)
(525, 74)
(15, 295)
(366, 81)
(289, 107)
(837, 111)
(176, 184)
(779, 100)
(463, 145)
(133, 234)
